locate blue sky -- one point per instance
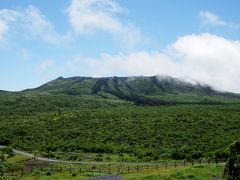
(193, 40)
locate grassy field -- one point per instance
(52, 171)
(196, 172)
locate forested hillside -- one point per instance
(147, 118)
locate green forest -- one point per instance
(118, 117)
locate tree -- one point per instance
(232, 168)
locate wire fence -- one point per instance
(108, 168)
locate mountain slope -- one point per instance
(141, 118)
(155, 90)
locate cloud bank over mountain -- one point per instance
(205, 58)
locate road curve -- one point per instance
(30, 155)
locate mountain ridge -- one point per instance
(140, 90)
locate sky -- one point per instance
(41, 40)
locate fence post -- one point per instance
(156, 166)
(216, 160)
(12, 171)
(109, 170)
(147, 167)
(175, 164)
(192, 162)
(137, 168)
(166, 165)
(118, 170)
(80, 170)
(22, 171)
(128, 169)
(209, 161)
(184, 162)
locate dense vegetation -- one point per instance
(232, 168)
(146, 118)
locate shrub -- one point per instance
(5, 141)
(196, 154)
(8, 151)
(190, 176)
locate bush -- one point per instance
(8, 151)
(197, 155)
(5, 141)
(190, 176)
(48, 174)
(177, 155)
(221, 154)
(74, 175)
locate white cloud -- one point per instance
(87, 16)
(209, 18)
(206, 58)
(29, 22)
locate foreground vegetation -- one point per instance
(197, 172)
(34, 169)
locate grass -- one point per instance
(200, 172)
(16, 159)
(196, 172)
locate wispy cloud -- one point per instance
(210, 19)
(89, 16)
(38, 25)
(28, 22)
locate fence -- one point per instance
(108, 168)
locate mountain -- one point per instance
(87, 92)
(141, 90)
(132, 118)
